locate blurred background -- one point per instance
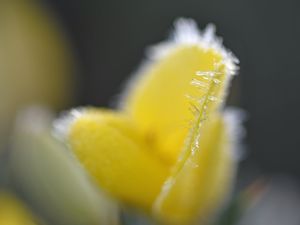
(86, 50)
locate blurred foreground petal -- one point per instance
(13, 212)
(49, 177)
(35, 60)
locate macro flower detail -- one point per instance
(168, 149)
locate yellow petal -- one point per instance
(112, 150)
(157, 99)
(13, 212)
(202, 177)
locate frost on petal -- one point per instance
(203, 176)
(156, 96)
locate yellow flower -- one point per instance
(168, 148)
(13, 212)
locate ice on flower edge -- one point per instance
(145, 153)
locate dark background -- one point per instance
(109, 38)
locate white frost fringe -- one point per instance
(187, 32)
(234, 117)
(62, 125)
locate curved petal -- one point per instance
(110, 147)
(157, 98)
(201, 179)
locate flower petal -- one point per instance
(157, 99)
(111, 149)
(201, 179)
